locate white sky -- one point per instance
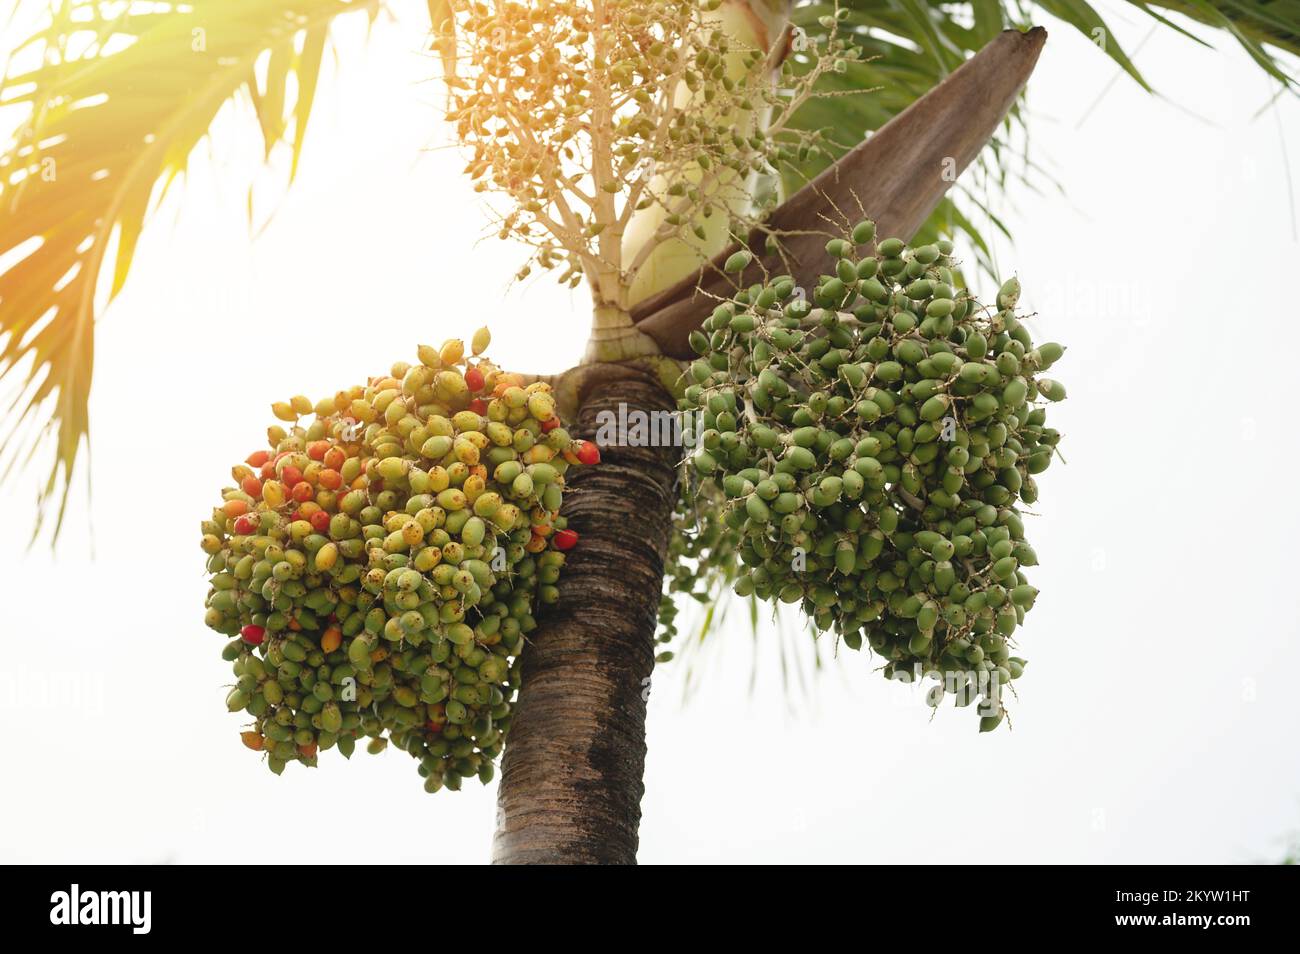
(1155, 720)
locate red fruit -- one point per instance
(437, 718)
(253, 634)
(290, 475)
(268, 471)
(335, 458)
(320, 521)
(316, 449)
(330, 479)
(550, 424)
(245, 525)
(474, 378)
(252, 486)
(565, 539)
(478, 406)
(302, 491)
(588, 453)
(257, 458)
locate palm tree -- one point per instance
(116, 100)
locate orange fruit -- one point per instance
(331, 639)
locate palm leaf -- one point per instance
(107, 129)
(913, 44)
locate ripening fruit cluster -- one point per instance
(872, 441)
(379, 566)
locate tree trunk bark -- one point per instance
(571, 777)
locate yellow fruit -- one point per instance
(474, 485)
(453, 350)
(384, 398)
(506, 516)
(452, 500)
(465, 451)
(301, 404)
(482, 338)
(439, 426)
(427, 519)
(284, 411)
(487, 504)
(427, 559)
(541, 406)
(439, 479)
(327, 556)
(451, 385)
(467, 421)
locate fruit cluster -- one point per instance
(871, 442)
(380, 566)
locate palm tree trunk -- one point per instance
(571, 777)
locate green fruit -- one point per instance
(1009, 294)
(1048, 354)
(1050, 389)
(757, 510)
(934, 408)
(737, 262)
(864, 232)
(1013, 395)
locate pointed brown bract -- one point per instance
(896, 177)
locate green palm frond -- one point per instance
(1255, 24)
(116, 101)
(914, 44)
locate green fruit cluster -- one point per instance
(703, 556)
(380, 565)
(871, 443)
